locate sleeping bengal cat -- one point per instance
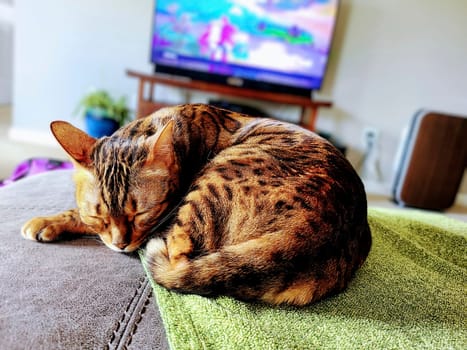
(254, 208)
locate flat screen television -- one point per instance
(272, 45)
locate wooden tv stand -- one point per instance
(147, 105)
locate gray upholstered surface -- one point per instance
(68, 295)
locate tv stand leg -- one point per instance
(308, 120)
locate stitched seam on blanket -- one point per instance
(126, 326)
(143, 303)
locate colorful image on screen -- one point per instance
(277, 41)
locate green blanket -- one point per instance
(410, 293)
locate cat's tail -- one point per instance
(243, 271)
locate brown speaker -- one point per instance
(433, 161)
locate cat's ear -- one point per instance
(162, 151)
(74, 141)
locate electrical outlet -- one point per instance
(370, 138)
(370, 167)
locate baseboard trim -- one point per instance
(32, 137)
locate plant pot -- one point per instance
(97, 125)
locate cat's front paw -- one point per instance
(42, 229)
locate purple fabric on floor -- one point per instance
(35, 166)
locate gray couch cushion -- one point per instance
(72, 294)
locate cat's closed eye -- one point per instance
(144, 219)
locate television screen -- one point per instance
(278, 45)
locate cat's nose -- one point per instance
(120, 245)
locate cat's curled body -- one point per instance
(257, 209)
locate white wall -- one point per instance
(64, 47)
(390, 58)
(6, 51)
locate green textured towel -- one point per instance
(410, 293)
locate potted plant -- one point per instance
(103, 115)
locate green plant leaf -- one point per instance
(103, 104)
